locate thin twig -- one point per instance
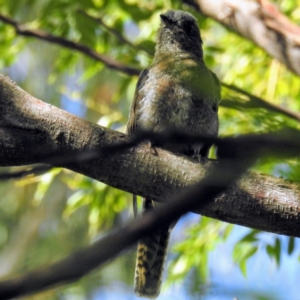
(32, 171)
(21, 30)
(115, 32)
(263, 103)
(43, 35)
(260, 22)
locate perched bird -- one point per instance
(176, 93)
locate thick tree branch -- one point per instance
(259, 21)
(43, 35)
(86, 260)
(217, 180)
(31, 129)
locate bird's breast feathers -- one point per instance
(170, 96)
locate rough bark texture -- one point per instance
(259, 21)
(111, 245)
(30, 128)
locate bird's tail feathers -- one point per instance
(151, 255)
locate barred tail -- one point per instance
(151, 255)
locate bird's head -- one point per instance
(178, 32)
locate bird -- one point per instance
(177, 92)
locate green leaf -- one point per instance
(250, 237)
(277, 250)
(242, 252)
(291, 245)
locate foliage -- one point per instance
(83, 209)
(199, 241)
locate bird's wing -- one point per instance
(131, 125)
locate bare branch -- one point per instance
(32, 170)
(259, 21)
(267, 8)
(219, 177)
(116, 33)
(42, 35)
(31, 129)
(262, 103)
(22, 30)
(84, 261)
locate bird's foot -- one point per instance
(198, 157)
(201, 159)
(153, 149)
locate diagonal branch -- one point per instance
(117, 34)
(28, 171)
(261, 102)
(45, 36)
(260, 22)
(22, 30)
(86, 260)
(217, 180)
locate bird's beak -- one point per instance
(166, 20)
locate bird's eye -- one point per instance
(188, 27)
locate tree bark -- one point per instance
(260, 22)
(32, 131)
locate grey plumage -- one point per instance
(177, 92)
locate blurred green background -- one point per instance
(47, 217)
